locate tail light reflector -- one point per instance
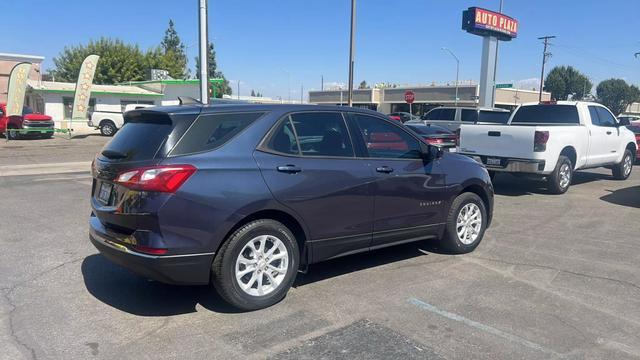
(150, 250)
(540, 141)
(164, 178)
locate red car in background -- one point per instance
(29, 123)
(635, 127)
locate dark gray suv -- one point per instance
(246, 195)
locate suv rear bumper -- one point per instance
(184, 269)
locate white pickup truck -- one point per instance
(553, 139)
(110, 121)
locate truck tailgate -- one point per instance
(497, 140)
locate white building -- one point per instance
(56, 98)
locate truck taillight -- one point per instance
(540, 141)
(165, 178)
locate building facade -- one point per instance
(8, 61)
(388, 100)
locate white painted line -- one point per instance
(44, 169)
(486, 328)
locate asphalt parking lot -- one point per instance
(555, 277)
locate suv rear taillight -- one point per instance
(164, 178)
(540, 141)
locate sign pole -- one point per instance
(204, 44)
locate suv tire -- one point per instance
(466, 223)
(248, 258)
(622, 170)
(108, 128)
(559, 180)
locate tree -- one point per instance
(213, 72)
(616, 94)
(563, 81)
(119, 62)
(175, 52)
(363, 85)
(253, 93)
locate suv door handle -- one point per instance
(289, 169)
(384, 169)
(608, 132)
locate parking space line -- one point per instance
(486, 328)
(45, 169)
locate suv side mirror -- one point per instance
(431, 152)
(624, 122)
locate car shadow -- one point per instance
(367, 260)
(128, 292)
(84, 136)
(629, 196)
(511, 185)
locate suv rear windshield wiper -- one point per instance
(112, 154)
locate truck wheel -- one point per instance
(13, 134)
(622, 170)
(466, 223)
(559, 180)
(257, 265)
(107, 128)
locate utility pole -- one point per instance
(495, 67)
(321, 82)
(203, 23)
(238, 89)
(351, 51)
(545, 55)
(301, 93)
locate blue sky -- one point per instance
(263, 43)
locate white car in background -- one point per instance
(452, 117)
(552, 140)
(110, 121)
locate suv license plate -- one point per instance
(105, 192)
(493, 161)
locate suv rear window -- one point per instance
(140, 137)
(494, 117)
(209, 132)
(546, 114)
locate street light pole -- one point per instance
(457, 71)
(204, 41)
(495, 67)
(351, 51)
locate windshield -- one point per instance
(26, 111)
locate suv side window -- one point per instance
(384, 140)
(448, 114)
(322, 134)
(434, 114)
(469, 115)
(606, 119)
(209, 132)
(593, 113)
(284, 140)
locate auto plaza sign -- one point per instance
(485, 22)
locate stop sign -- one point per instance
(409, 96)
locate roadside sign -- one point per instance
(504, 86)
(409, 96)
